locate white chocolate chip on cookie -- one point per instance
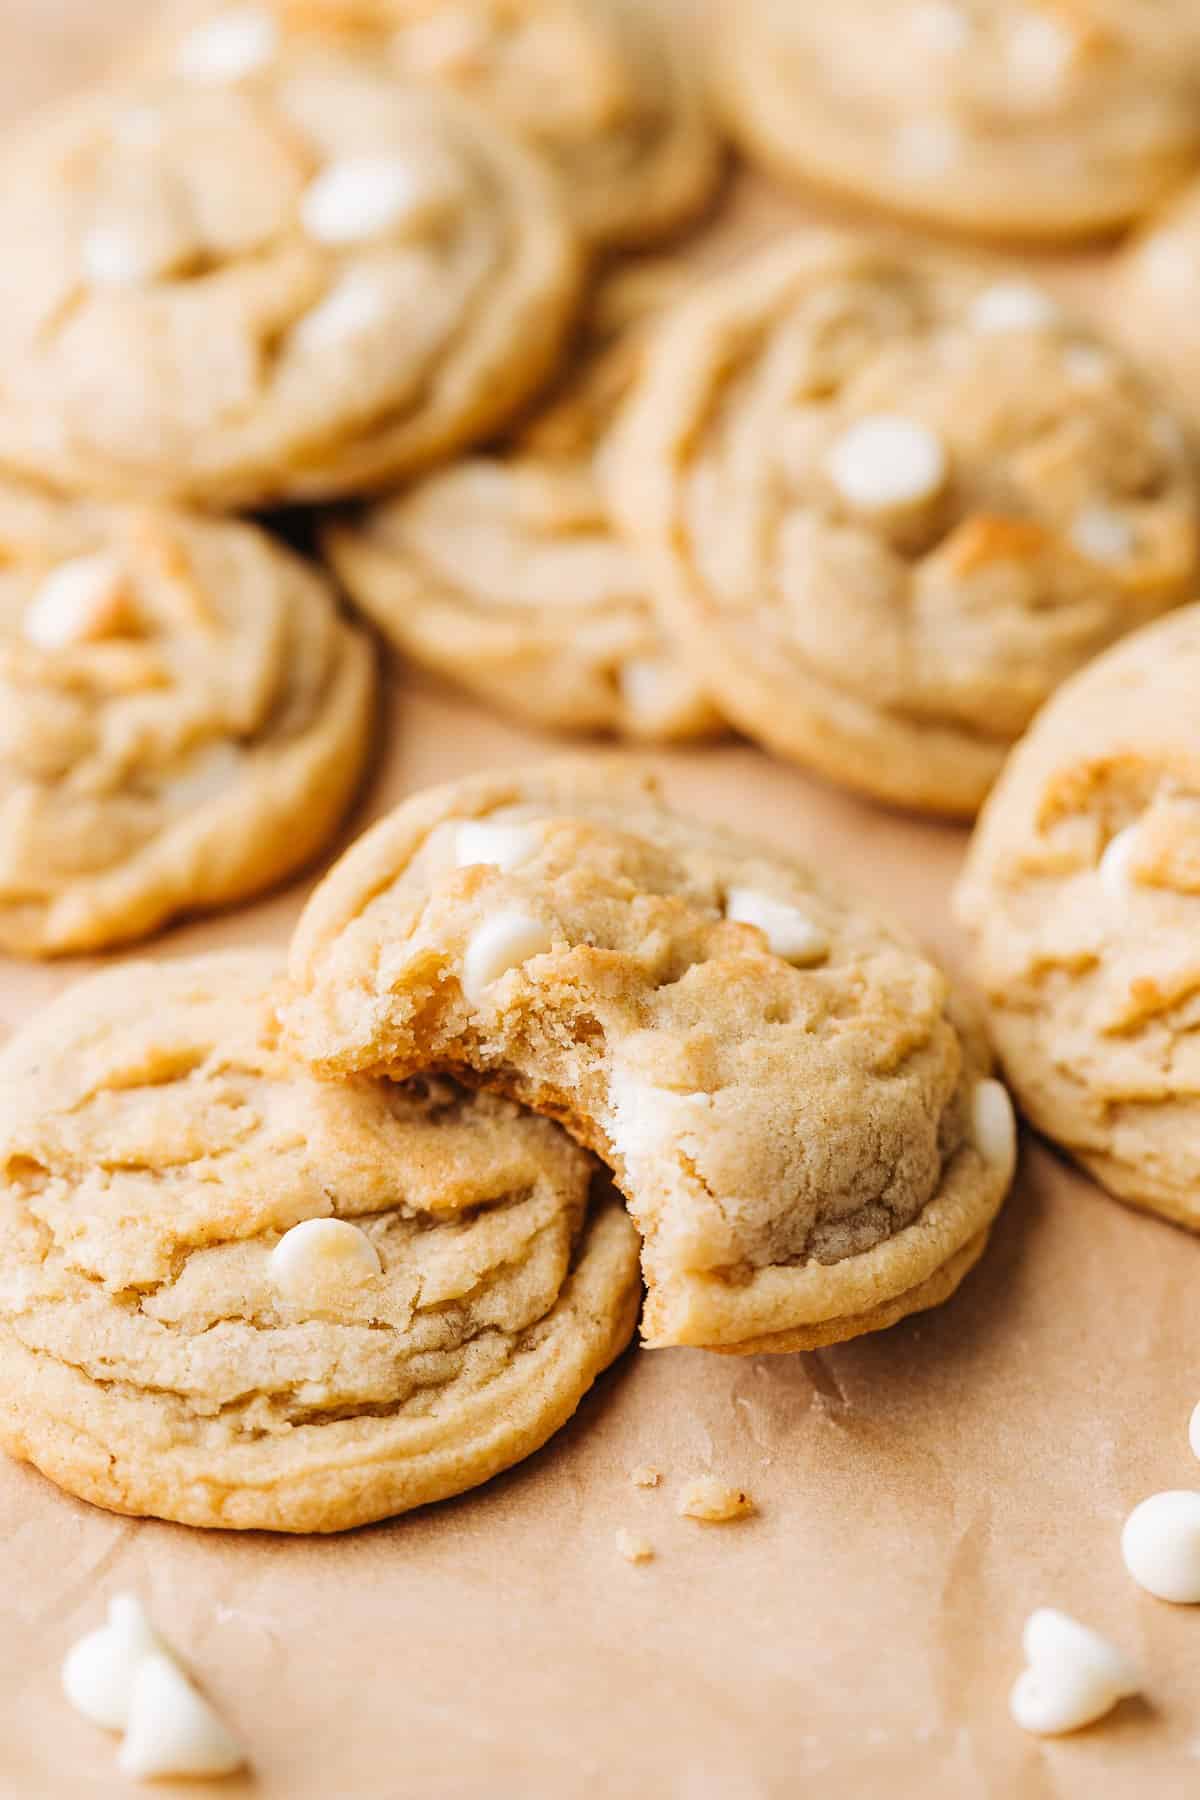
(235, 44)
(993, 1123)
(352, 305)
(172, 1728)
(1041, 49)
(1013, 306)
(923, 149)
(1114, 869)
(363, 197)
(505, 847)
(78, 602)
(98, 1671)
(789, 932)
(322, 1259)
(940, 26)
(1074, 1675)
(885, 461)
(1160, 1543)
(114, 258)
(501, 943)
(1102, 535)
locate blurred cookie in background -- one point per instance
(184, 718)
(1156, 297)
(888, 502)
(506, 574)
(1017, 118)
(606, 90)
(301, 286)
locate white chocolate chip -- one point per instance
(655, 691)
(1101, 535)
(1161, 1545)
(886, 460)
(352, 305)
(138, 128)
(924, 149)
(449, 40)
(1074, 1675)
(1040, 51)
(1114, 869)
(322, 1259)
(1087, 364)
(503, 942)
(228, 48)
(172, 1728)
(98, 1671)
(994, 1124)
(78, 602)
(207, 772)
(1194, 1431)
(364, 197)
(1013, 306)
(713, 1501)
(633, 1548)
(789, 932)
(940, 26)
(112, 258)
(502, 846)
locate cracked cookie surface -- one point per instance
(183, 1330)
(1082, 896)
(1016, 118)
(804, 1130)
(300, 286)
(507, 574)
(887, 503)
(184, 718)
(604, 90)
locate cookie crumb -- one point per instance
(712, 1500)
(647, 1476)
(634, 1549)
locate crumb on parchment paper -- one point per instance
(645, 1476)
(633, 1548)
(715, 1501)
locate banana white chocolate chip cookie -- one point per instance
(809, 1142)
(184, 718)
(1025, 118)
(507, 574)
(604, 90)
(887, 503)
(1082, 896)
(297, 287)
(236, 1296)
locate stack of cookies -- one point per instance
(304, 1248)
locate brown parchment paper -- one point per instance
(919, 1491)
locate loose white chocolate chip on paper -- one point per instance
(504, 847)
(885, 461)
(994, 1123)
(235, 44)
(363, 197)
(79, 601)
(502, 942)
(1074, 1676)
(713, 1501)
(1160, 1543)
(633, 1548)
(1013, 306)
(789, 932)
(98, 1671)
(321, 1259)
(1101, 535)
(647, 1476)
(172, 1728)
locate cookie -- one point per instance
(1081, 893)
(804, 1129)
(604, 90)
(184, 718)
(506, 573)
(236, 1296)
(1018, 118)
(888, 502)
(307, 285)
(1155, 283)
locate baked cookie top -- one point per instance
(806, 1139)
(296, 287)
(605, 90)
(236, 1296)
(1010, 117)
(889, 502)
(184, 717)
(1153, 294)
(506, 573)
(1082, 896)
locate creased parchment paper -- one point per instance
(918, 1491)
